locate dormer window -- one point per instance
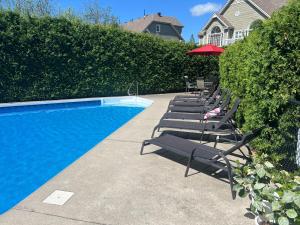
(157, 28)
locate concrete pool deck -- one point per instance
(114, 185)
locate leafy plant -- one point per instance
(274, 194)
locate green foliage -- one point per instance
(263, 70)
(275, 194)
(256, 24)
(55, 58)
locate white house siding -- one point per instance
(247, 15)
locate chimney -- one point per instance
(159, 14)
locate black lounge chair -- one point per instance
(201, 109)
(224, 124)
(204, 154)
(200, 116)
(200, 100)
(198, 97)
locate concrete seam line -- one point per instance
(63, 217)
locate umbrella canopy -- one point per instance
(206, 50)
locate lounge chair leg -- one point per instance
(249, 150)
(142, 148)
(189, 163)
(230, 177)
(216, 142)
(155, 128)
(243, 153)
(169, 108)
(202, 134)
(235, 135)
(143, 145)
(233, 193)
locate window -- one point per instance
(216, 30)
(237, 13)
(215, 36)
(240, 34)
(157, 28)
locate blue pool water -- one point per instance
(38, 142)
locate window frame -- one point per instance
(157, 28)
(213, 30)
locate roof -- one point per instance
(139, 25)
(224, 20)
(221, 18)
(267, 7)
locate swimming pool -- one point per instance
(39, 140)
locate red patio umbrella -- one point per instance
(207, 50)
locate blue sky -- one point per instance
(125, 10)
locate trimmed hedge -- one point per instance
(54, 58)
(264, 71)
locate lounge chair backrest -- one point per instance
(229, 114)
(218, 101)
(245, 140)
(225, 102)
(213, 95)
(251, 135)
(216, 93)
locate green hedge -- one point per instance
(264, 71)
(54, 58)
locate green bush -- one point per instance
(264, 71)
(55, 58)
(275, 194)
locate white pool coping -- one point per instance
(130, 101)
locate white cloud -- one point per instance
(201, 9)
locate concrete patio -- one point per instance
(114, 185)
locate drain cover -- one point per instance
(58, 197)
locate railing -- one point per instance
(229, 41)
(137, 88)
(222, 42)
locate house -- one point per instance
(166, 27)
(234, 20)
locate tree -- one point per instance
(96, 14)
(43, 7)
(29, 7)
(192, 39)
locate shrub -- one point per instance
(275, 194)
(263, 70)
(54, 58)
